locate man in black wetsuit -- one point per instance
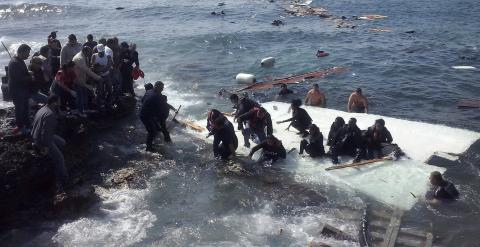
(348, 141)
(444, 190)
(376, 137)
(242, 106)
(258, 119)
(315, 147)
(300, 119)
(337, 125)
(155, 109)
(272, 150)
(225, 141)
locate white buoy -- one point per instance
(267, 62)
(463, 67)
(245, 78)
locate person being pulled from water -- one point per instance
(19, 81)
(242, 106)
(357, 102)
(300, 119)
(257, 120)
(444, 190)
(155, 109)
(334, 128)
(272, 150)
(315, 97)
(313, 147)
(45, 140)
(377, 136)
(348, 141)
(225, 141)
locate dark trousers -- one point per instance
(20, 100)
(127, 82)
(153, 126)
(374, 151)
(337, 150)
(224, 151)
(247, 133)
(310, 149)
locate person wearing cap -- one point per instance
(47, 142)
(70, 49)
(83, 73)
(300, 119)
(443, 190)
(377, 137)
(357, 102)
(225, 141)
(347, 141)
(272, 150)
(54, 53)
(315, 97)
(90, 42)
(102, 64)
(19, 82)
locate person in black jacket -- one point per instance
(19, 83)
(315, 147)
(376, 137)
(126, 61)
(258, 119)
(272, 150)
(300, 119)
(225, 141)
(443, 190)
(347, 141)
(242, 106)
(155, 109)
(337, 125)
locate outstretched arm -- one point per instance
(350, 103)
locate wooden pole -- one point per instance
(358, 163)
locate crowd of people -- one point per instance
(76, 79)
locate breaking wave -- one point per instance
(8, 11)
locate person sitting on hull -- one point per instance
(300, 119)
(377, 137)
(443, 190)
(347, 141)
(313, 147)
(334, 128)
(315, 97)
(242, 106)
(155, 109)
(357, 102)
(225, 141)
(272, 150)
(257, 120)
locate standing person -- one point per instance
(348, 141)
(62, 85)
(377, 136)
(102, 65)
(90, 42)
(300, 119)
(272, 150)
(83, 73)
(133, 50)
(443, 189)
(44, 138)
(242, 106)
(225, 141)
(357, 102)
(112, 50)
(55, 49)
(315, 97)
(70, 49)
(42, 73)
(19, 81)
(126, 62)
(258, 120)
(155, 109)
(315, 147)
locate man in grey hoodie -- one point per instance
(44, 138)
(70, 49)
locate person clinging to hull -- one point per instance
(225, 141)
(314, 146)
(300, 119)
(155, 109)
(443, 190)
(376, 137)
(315, 97)
(272, 150)
(357, 102)
(258, 124)
(347, 141)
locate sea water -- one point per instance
(186, 202)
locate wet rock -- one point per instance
(123, 176)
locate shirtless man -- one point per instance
(315, 97)
(357, 102)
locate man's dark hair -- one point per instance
(148, 86)
(53, 35)
(353, 120)
(436, 175)
(233, 97)
(89, 37)
(23, 48)
(72, 37)
(359, 90)
(52, 99)
(124, 44)
(159, 84)
(86, 50)
(296, 102)
(102, 41)
(283, 85)
(315, 85)
(380, 121)
(44, 49)
(110, 43)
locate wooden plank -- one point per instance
(469, 103)
(393, 228)
(357, 164)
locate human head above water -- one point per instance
(359, 91)
(436, 178)
(89, 37)
(234, 98)
(380, 123)
(315, 86)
